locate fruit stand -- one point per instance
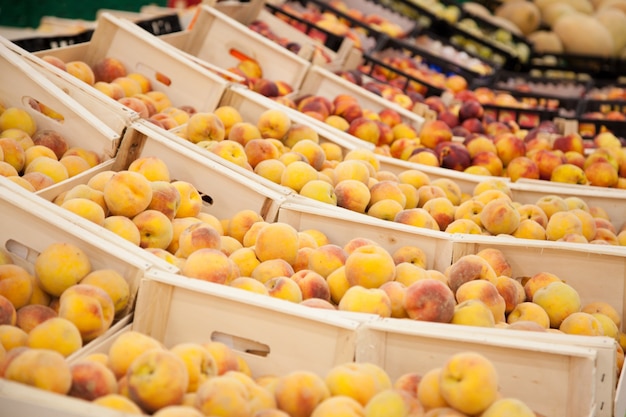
(288, 209)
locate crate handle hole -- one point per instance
(22, 251)
(42, 108)
(241, 344)
(156, 75)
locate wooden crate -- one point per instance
(224, 191)
(273, 336)
(218, 40)
(555, 376)
(189, 82)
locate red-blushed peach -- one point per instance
(537, 281)
(108, 68)
(588, 222)
(467, 268)
(299, 392)
(165, 198)
(89, 307)
(312, 284)
(8, 314)
(429, 300)
(469, 382)
(434, 132)
(241, 222)
(369, 266)
(157, 378)
(258, 150)
(500, 216)
(559, 300)
(511, 290)
(197, 236)
(522, 167)
(198, 361)
(442, 210)
(396, 291)
(408, 382)
(358, 380)
(209, 265)
(497, 260)
(225, 358)
(326, 258)
(51, 139)
(284, 288)
(41, 368)
(352, 195)
(126, 347)
(418, 217)
(91, 380)
(486, 292)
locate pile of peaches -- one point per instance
(64, 304)
(139, 375)
(36, 158)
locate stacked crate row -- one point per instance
(192, 73)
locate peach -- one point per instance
(123, 227)
(394, 403)
(16, 285)
(229, 116)
(358, 380)
(91, 380)
(469, 382)
(8, 314)
(165, 198)
(155, 229)
(51, 139)
(522, 167)
(511, 290)
(598, 307)
(190, 199)
(417, 217)
(312, 284)
(17, 118)
(369, 266)
(56, 333)
(203, 126)
(469, 267)
(209, 265)
(273, 123)
(83, 191)
(326, 258)
(563, 223)
(509, 407)
(407, 273)
(199, 363)
(411, 254)
(533, 212)
(230, 151)
(277, 240)
(271, 268)
(581, 323)
(339, 405)
(366, 300)
(312, 151)
(295, 133)
(14, 154)
(126, 347)
(157, 378)
(429, 300)
(196, 236)
(396, 291)
(225, 358)
(428, 389)
(473, 312)
(113, 283)
(36, 151)
(41, 368)
(60, 266)
(499, 216)
(559, 300)
(114, 91)
(319, 190)
(551, 204)
(178, 411)
(241, 222)
(568, 173)
(408, 382)
(12, 337)
(442, 210)
(86, 208)
(284, 288)
(243, 132)
(127, 193)
(537, 281)
(609, 328)
(108, 68)
(463, 226)
(434, 132)
(497, 260)
(223, 394)
(258, 150)
(486, 292)
(297, 174)
(601, 174)
(118, 402)
(89, 307)
(151, 167)
(249, 284)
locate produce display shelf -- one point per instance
(600, 68)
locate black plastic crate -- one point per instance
(330, 40)
(161, 25)
(388, 47)
(599, 68)
(42, 43)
